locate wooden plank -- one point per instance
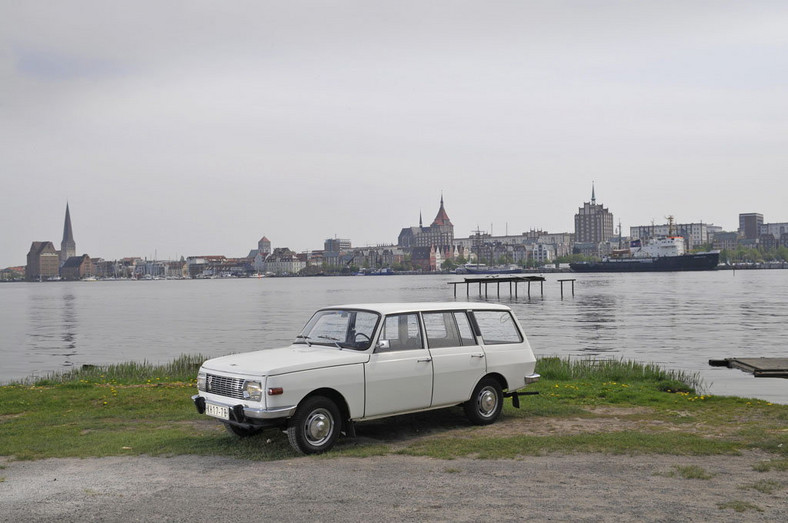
(759, 367)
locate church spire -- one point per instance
(68, 234)
(68, 247)
(442, 218)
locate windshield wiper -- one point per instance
(335, 340)
(305, 338)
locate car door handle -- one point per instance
(477, 355)
(427, 360)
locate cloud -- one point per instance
(54, 66)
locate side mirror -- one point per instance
(383, 345)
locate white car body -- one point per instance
(371, 361)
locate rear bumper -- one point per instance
(532, 378)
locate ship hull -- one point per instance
(705, 261)
(470, 270)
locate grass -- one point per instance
(780, 465)
(739, 506)
(764, 486)
(690, 472)
(134, 409)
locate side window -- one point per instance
(497, 327)
(441, 329)
(464, 326)
(402, 331)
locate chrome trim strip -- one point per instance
(250, 412)
(284, 412)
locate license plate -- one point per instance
(217, 411)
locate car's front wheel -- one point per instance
(486, 403)
(315, 426)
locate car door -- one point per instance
(458, 360)
(399, 376)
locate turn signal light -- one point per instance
(275, 391)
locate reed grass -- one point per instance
(568, 369)
(182, 369)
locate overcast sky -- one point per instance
(193, 128)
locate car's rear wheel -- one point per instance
(486, 403)
(241, 432)
(315, 426)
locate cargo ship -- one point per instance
(659, 254)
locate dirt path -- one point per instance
(584, 487)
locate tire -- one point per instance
(486, 402)
(315, 426)
(241, 432)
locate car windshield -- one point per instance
(341, 328)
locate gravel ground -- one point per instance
(577, 487)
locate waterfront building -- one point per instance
(593, 222)
(775, 229)
(264, 246)
(561, 242)
(203, 266)
(428, 245)
(257, 256)
(767, 242)
(749, 225)
(68, 248)
(76, 268)
(380, 257)
(586, 248)
(284, 261)
(542, 253)
(43, 262)
(534, 245)
(334, 251)
(726, 240)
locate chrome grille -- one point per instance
(224, 386)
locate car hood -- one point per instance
(294, 358)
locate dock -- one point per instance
(485, 281)
(760, 367)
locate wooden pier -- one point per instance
(485, 281)
(562, 285)
(760, 367)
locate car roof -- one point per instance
(394, 308)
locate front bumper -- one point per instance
(247, 415)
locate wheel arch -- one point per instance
(336, 397)
(497, 377)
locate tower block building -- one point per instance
(593, 222)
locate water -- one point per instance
(678, 320)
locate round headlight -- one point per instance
(253, 390)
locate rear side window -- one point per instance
(497, 327)
(441, 330)
(464, 326)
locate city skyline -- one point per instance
(441, 219)
(193, 130)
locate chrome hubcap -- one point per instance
(318, 427)
(488, 401)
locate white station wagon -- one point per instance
(360, 362)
